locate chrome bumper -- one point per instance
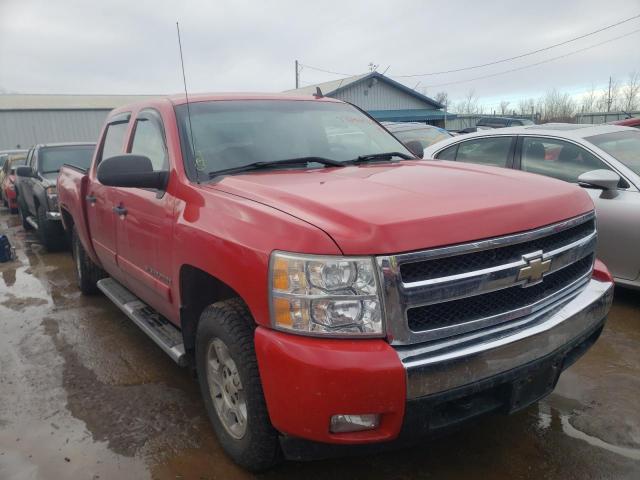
(455, 362)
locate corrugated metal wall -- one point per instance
(603, 117)
(378, 96)
(27, 127)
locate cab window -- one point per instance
(113, 140)
(149, 141)
(492, 151)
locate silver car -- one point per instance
(605, 159)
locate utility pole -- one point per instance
(297, 75)
(609, 96)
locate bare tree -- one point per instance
(631, 92)
(503, 107)
(589, 100)
(469, 104)
(557, 107)
(526, 106)
(442, 97)
(609, 97)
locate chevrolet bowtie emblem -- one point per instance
(535, 269)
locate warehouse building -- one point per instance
(381, 97)
(29, 119)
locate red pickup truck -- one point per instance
(330, 288)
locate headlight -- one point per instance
(52, 198)
(325, 295)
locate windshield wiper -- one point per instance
(276, 163)
(382, 156)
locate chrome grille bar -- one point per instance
(401, 296)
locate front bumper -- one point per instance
(421, 389)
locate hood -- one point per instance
(391, 208)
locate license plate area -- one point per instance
(534, 386)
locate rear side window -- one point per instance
(149, 141)
(492, 151)
(52, 159)
(113, 140)
(448, 153)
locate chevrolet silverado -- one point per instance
(329, 288)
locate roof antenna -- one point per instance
(318, 93)
(184, 80)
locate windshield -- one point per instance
(426, 136)
(51, 159)
(624, 146)
(231, 134)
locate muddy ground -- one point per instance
(85, 395)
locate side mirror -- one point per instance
(25, 172)
(415, 147)
(133, 171)
(606, 180)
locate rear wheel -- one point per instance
(87, 272)
(231, 388)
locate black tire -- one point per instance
(231, 322)
(22, 211)
(87, 272)
(50, 232)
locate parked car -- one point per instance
(37, 191)
(567, 152)
(416, 136)
(628, 122)
(9, 160)
(502, 122)
(328, 287)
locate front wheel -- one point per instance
(22, 211)
(50, 232)
(231, 388)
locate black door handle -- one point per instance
(120, 210)
(90, 198)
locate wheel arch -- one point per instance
(199, 289)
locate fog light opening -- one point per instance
(354, 423)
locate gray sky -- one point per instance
(130, 47)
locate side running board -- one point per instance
(161, 331)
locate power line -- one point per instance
(521, 55)
(462, 69)
(325, 71)
(533, 64)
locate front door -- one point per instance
(617, 218)
(145, 221)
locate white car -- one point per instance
(605, 159)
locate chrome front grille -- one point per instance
(448, 291)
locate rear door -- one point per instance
(144, 238)
(618, 236)
(100, 198)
